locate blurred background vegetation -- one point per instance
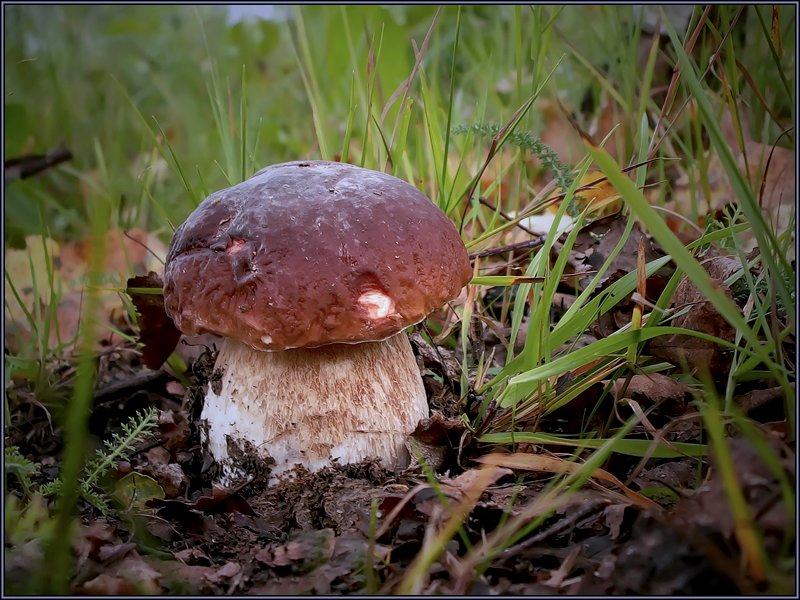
(77, 75)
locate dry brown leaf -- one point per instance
(226, 571)
(157, 331)
(305, 551)
(708, 509)
(655, 387)
(595, 242)
(131, 575)
(170, 477)
(757, 398)
(174, 428)
(432, 438)
(193, 556)
(701, 316)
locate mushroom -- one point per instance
(310, 271)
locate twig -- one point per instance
(115, 390)
(29, 165)
(534, 243)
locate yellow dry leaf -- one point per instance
(596, 191)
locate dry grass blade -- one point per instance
(553, 464)
(387, 522)
(766, 167)
(673, 85)
(434, 545)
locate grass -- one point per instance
(175, 103)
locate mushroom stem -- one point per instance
(340, 403)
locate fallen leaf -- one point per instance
(93, 538)
(108, 585)
(595, 242)
(174, 429)
(680, 474)
(305, 551)
(432, 439)
(757, 398)
(193, 556)
(226, 571)
(615, 514)
(176, 517)
(170, 477)
(188, 579)
(223, 500)
(655, 387)
(135, 489)
(158, 455)
(701, 316)
(157, 331)
(708, 509)
(129, 576)
(438, 359)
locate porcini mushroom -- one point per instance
(311, 271)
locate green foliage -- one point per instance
(119, 447)
(26, 521)
(28, 525)
(16, 464)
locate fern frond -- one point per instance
(118, 447)
(16, 464)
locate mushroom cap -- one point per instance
(305, 254)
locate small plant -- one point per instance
(119, 447)
(16, 464)
(526, 141)
(27, 526)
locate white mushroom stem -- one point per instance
(314, 406)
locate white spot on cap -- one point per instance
(376, 304)
(266, 339)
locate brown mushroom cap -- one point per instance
(305, 254)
